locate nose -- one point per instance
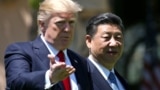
(112, 42)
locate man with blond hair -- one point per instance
(46, 63)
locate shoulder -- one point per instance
(18, 48)
(17, 45)
(69, 51)
(22, 45)
(77, 57)
(74, 54)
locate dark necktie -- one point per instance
(66, 81)
(112, 79)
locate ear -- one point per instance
(88, 41)
(42, 26)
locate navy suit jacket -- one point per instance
(26, 64)
(98, 81)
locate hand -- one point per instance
(59, 71)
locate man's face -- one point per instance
(58, 30)
(106, 45)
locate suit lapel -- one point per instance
(99, 83)
(74, 62)
(41, 51)
(80, 66)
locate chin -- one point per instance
(64, 47)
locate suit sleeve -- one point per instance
(19, 72)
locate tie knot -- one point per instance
(61, 56)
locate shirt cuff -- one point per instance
(48, 84)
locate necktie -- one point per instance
(113, 81)
(66, 81)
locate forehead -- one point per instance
(108, 28)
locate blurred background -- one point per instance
(140, 63)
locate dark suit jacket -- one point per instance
(98, 81)
(26, 64)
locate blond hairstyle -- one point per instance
(48, 7)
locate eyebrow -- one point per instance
(64, 19)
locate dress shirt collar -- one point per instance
(51, 49)
(104, 71)
(54, 52)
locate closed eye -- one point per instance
(106, 38)
(63, 23)
(119, 37)
(60, 23)
(71, 23)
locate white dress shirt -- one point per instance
(105, 72)
(54, 52)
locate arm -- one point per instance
(19, 72)
(21, 75)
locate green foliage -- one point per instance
(34, 3)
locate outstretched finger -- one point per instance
(52, 59)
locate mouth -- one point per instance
(112, 52)
(65, 38)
